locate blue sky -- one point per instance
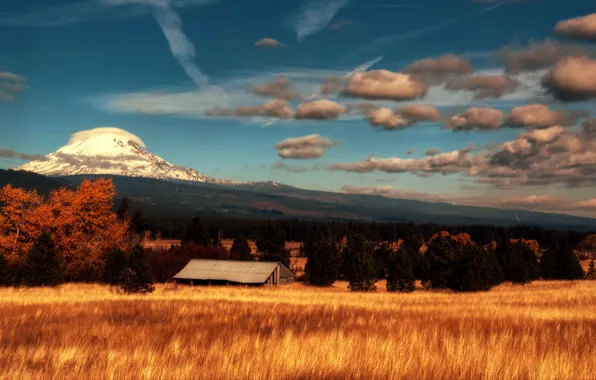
(98, 63)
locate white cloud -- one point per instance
(315, 16)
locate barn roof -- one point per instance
(245, 272)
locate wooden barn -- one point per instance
(205, 272)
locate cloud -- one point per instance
(580, 28)
(106, 131)
(11, 85)
(305, 147)
(9, 153)
(572, 79)
(438, 70)
(540, 157)
(280, 88)
(319, 110)
(274, 108)
(538, 55)
(268, 43)
(420, 112)
(432, 152)
(483, 119)
(315, 16)
(385, 85)
(98, 162)
(291, 169)
(540, 116)
(484, 86)
(386, 118)
(532, 202)
(340, 24)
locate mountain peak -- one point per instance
(114, 151)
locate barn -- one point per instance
(214, 272)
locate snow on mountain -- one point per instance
(114, 151)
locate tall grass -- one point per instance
(545, 330)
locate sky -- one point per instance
(474, 102)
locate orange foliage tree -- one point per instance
(81, 222)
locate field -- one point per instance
(545, 330)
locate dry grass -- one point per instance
(546, 330)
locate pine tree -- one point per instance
(411, 246)
(123, 209)
(359, 264)
(476, 270)
(241, 249)
(591, 275)
(381, 254)
(42, 266)
(272, 244)
(441, 260)
(4, 272)
(137, 277)
(518, 262)
(114, 266)
(400, 274)
(197, 233)
(322, 265)
(561, 263)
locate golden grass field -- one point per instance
(545, 330)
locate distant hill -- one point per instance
(185, 199)
(30, 181)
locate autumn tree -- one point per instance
(591, 275)
(323, 263)
(42, 265)
(400, 273)
(359, 263)
(137, 277)
(241, 249)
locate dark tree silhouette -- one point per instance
(322, 266)
(197, 233)
(518, 262)
(137, 276)
(123, 211)
(440, 263)
(241, 249)
(114, 266)
(475, 270)
(272, 244)
(4, 272)
(400, 274)
(591, 275)
(359, 264)
(561, 263)
(381, 254)
(42, 266)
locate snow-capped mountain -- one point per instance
(113, 151)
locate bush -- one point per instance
(322, 265)
(137, 276)
(400, 274)
(41, 266)
(241, 249)
(561, 263)
(359, 264)
(114, 266)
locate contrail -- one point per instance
(315, 16)
(423, 31)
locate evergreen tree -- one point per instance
(241, 249)
(518, 262)
(272, 244)
(381, 254)
(41, 266)
(561, 263)
(476, 270)
(137, 276)
(400, 274)
(359, 264)
(114, 266)
(591, 275)
(411, 247)
(441, 261)
(4, 272)
(197, 233)
(123, 211)
(322, 266)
